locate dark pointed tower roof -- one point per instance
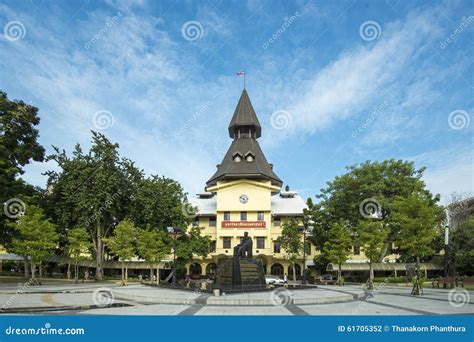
(244, 116)
(245, 158)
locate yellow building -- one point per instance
(244, 195)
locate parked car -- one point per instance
(273, 280)
(328, 277)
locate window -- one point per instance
(212, 221)
(243, 216)
(226, 242)
(226, 215)
(276, 247)
(196, 221)
(276, 221)
(260, 216)
(260, 242)
(213, 246)
(356, 250)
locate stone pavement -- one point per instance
(109, 299)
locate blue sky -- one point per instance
(333, 83)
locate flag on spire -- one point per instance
(241, 73)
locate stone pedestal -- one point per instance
(241, 274)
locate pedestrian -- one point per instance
(285, 280)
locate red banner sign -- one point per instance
(243, 224)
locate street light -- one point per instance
(446, 255)
(306, 230)
(174, 231)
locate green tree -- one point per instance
(338, 247)
(371, 237)
(379, 182)
(462, 246)
(92, 190)
(416, 219)
(159, 202)
(153, 246)
(78, 247)
(18, 147)
(191, 243)
(319, 219)
(291, 242)
(122, 243)
(36, 237)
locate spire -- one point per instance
(244, 123)
(244, 158)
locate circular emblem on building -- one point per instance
(243, 199)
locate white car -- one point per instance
(273, 280)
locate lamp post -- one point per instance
(446, 254)
(174, 231)
(306, 230)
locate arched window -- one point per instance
(211, 269)
(276, 270)
(290, 270)
(195, 270)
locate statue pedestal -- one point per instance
(241, 274)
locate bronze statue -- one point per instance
(244, 248)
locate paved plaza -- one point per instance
(135, 299)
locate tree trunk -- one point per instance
(99, 274)
(151, 272)
(27, 270)
(417, 291)
(294, 275)
(33, 275)
(68, 271)
(126, 273)
(123, 274)
(157, 275)
(370, 283)
(339, 274)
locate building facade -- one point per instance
(245, 195)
